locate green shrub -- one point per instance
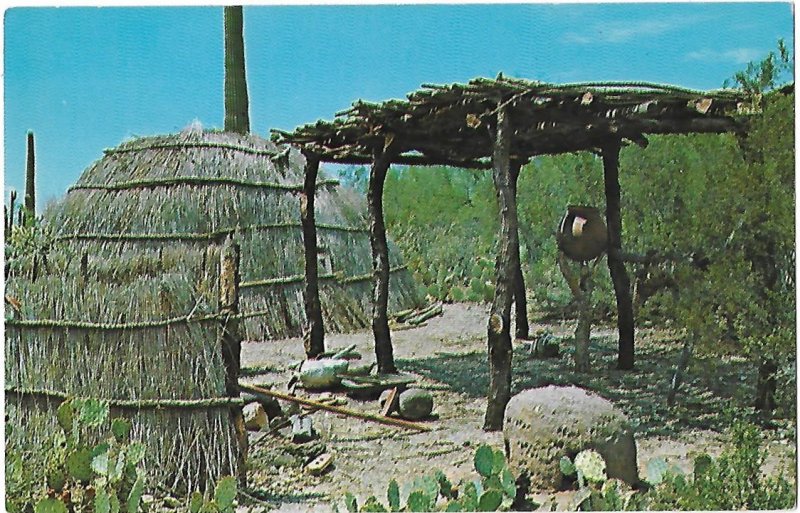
(494, 490)
(74, 475)
(78, 476)
(731, 482)
(222, 502)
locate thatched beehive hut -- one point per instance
(167, 193)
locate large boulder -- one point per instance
(544, 424)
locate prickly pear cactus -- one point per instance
(591, 465)
(79, 464)
(65, 416)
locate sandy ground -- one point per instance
(367, 455)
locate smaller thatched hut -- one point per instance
(147, 342)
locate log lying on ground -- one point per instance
(402, 314)
(416, 317)
(257, 391)
(348, 353)
(424, 315)
(403, 327)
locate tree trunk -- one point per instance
(581, 285)
(583, 330)
(499, 329)
(30, 182)
(382, 159)
(766, 266)
(237, 118)
(232, 345)
(314, 336)
(680, 369)
(619, 276)
(522, 328)
(765, 387)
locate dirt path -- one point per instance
(448, 356)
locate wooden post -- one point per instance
(522, 328)
(232, 344)
(382, 159)
(619, 276)
(314, 336)
(499, 329)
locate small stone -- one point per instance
(255, 418)
(319, 464)
(415, 404)
(302, 429)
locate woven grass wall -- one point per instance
(161, 196)
(122, 336)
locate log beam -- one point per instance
(314, 335)
(616, 266)
(499, 326)
(382, 159)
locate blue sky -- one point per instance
(85, 79)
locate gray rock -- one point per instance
(255, 418)
(302, 429)
(544, 424)
(415, 404)
(322, 374)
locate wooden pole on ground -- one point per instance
(499, 328)
(522, 328)
(232, 345)
(314, 336)
(619, 276)
(335, 409)
(382, 159)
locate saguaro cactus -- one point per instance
(9, 212)
(30, 179)
(237, 118)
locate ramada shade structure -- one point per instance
(500, 124)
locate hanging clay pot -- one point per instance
(582, 234)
